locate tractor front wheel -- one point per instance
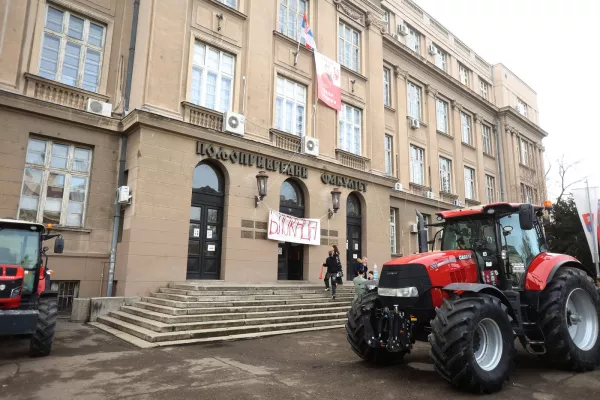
(41, 341)
(472, 343)
(355, 330)
(570, 319)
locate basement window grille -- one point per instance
(67, 291)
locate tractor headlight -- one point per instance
(15, 292)
(399, 292)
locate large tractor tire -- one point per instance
(41, 341)
(355, 330)
(570, 320)
(472, 343)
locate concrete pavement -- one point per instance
(89, 364)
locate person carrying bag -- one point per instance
(340, 273)
(333, 270)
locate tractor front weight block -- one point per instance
(18, 322)
(393, 330)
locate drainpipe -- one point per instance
(499, 147)
(123, 157)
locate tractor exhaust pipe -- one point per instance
(422, 233)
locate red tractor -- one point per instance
(492, 281)
(27, 307)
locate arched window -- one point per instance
(290, 195)
(353, 206)
(207, 179)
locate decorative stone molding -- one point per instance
(350, 11)
(478, 118)
(373, 19)
(399, 72)
(456, 105)
(431, 90)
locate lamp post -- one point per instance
(335, 201)
(261, 183)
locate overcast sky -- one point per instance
(553, 45)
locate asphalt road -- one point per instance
(89, 364)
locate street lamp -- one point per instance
(335, 201)
(261, 183)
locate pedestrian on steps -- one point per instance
(332, 272)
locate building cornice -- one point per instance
(509, 112)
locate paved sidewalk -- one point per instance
(89, 364)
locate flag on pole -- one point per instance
(309, 39)
(328, 81)
(587, 202)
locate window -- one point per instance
(486, 133)
(470, 183)
(389, 164)
(350, 129)
(291, 13)
(290, 107)
(490, 189)
(386, 20)
(465, 124)
(387, 88)
(445, 175)
(414, 101)
(440, 58)
(212, 78)
(67, 291)
(526, 152)
(413, 40)
(522, 107)
(72, 49)
(484, 89)
(349, 47)
(393, 231)
(55, 183)
(527, 194)
(441, 108)
(463, 74)
(417, 165)
(230, 3)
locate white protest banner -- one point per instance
(287, 228)
(588, 207)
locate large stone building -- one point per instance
(426, 124)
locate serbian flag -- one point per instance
(309, 39)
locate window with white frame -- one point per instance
(445, 175)
(417, 165)
(387, 87)
(55, 183)
(527, 194)
(490, 189)
(484, 89)
(349, 47)
(389, 151)
(72, 49)
(230, 3)
(522, 107)
(464, 74)
(441, 108)
(413, 40)
(486, 134)
(470, 184)
(414, 101)
(526, 151)
(440, 58)
(465, 127)
(350, 128)
(290, 106)
(212, 78)
(393, 231)
(291, 14)
(386, 20)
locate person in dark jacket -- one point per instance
(356, 267)
(332, 270)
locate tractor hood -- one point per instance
(434, 259)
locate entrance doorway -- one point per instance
(353, 233)
(290, 258)
(206, 223)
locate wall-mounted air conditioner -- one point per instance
(98, 107)
(402, 30)
(414, 228)
(234, 123)
(430, 195)
(310, 145)
(398, 186)
(414, 123)
(432, 49)
(457, 203)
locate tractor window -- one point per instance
(19, 247)
(523, 246)
(471, 234)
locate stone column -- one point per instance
(401, 142)
(478, 142)
(432, 142)
(457, 164)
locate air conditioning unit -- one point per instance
(123, 196)
(402, 30)
(457, 203)
(414, 123)
(310, 146)
(414, 228)
(432, 49)
(234, 123)
(430, 195)
(398, 186)
(98, 107)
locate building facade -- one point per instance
(426, 124)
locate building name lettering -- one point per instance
(342, 181)
(248, 159)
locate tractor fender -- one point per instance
(49, 293)
(482, 288)
(544, 266)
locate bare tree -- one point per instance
(563, 169)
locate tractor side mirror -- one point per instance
(422, 233)
(59, 245)
(527, 216)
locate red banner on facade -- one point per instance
(329, 81)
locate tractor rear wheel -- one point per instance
(41, 341)
(570, 320)
(472, 343)
(355, 330)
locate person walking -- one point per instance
(333, 268)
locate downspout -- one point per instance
(123, 157)
(499, 147)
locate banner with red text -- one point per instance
(587, 202)
(329, 81)
(287, 228)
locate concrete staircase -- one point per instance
(200, 312)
